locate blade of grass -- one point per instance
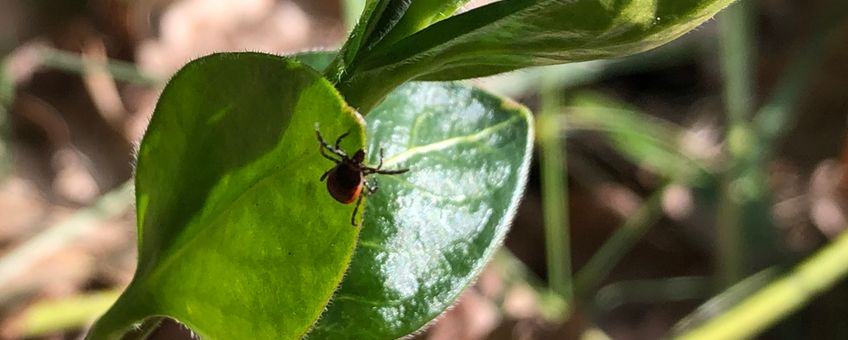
(735, 37)
(743, 183)
(727, 299)
(680, 288)
(555, 193)
(75, 312)
(119, 70)
(780, 298)
(653, 143)
(24, 257)
(614, 249)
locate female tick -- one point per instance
(346, 179)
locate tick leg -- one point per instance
(324, 176)
(370, 170)
(321, 139)
(327, 146)
(328, 156)
(390, 172)
(379, 166)
(339, 140)
(353, 216)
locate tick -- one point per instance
(346, 180)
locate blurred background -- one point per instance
(660, 180)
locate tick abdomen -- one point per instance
(345, 183)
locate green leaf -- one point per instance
(384, 22)
(512, 34)
(358, 38)
(318, 60)
(427, 233)
(237, 235)
(418, 15)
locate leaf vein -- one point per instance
(448, 143)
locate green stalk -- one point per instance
(735, 37)
(729, 237)
(75, 63)
(75, 312)
(554, 193)
(780, 298)
(653, 291)
(614, 249)
(736, 54)
(50, 241)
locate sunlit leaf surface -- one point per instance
(237, 236)
(427, 233)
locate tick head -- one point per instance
(358, 157)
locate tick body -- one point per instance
(346, 181)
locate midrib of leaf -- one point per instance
(448, 143)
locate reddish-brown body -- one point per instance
(345, 183)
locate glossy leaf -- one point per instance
(427, 233)
(237, 235)
(512, 34)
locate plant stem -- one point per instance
(653, 291)
(736, 53)
(555, 194)
(780, 298)
(614, 249)
(74, 312)
(75, 63)
(55, 237)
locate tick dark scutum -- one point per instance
(346, 180)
